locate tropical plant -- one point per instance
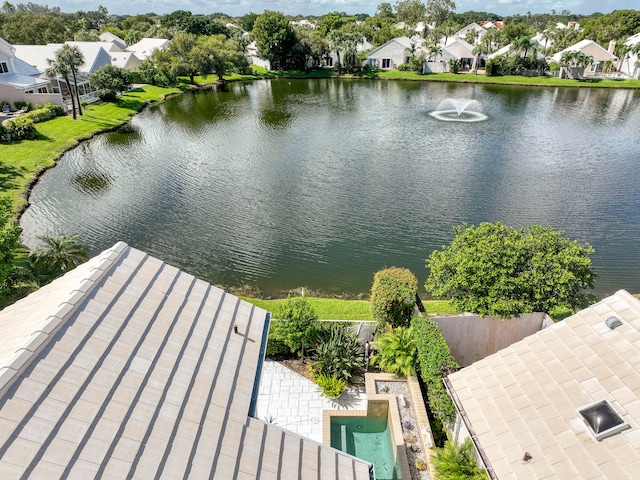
(10, 247)
(393, 296)
(457, 462)
(293, 324)
(575, 62)
(337, 352)
(56, 256)
(110, 81)
(332, 386)
(67, 61)
(435, 362)
(396, 351)
(496, 270)
(454, 65)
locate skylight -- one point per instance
(603, 420)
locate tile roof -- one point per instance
(525, 398)
(129, 368)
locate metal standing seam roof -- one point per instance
(525, 398)
(127, 367)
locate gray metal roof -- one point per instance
(127, 367)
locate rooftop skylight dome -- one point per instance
(603, 420)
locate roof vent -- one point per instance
(613, 322)
(603, 420)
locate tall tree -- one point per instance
(66, 63)
(410, 12)
(220, 55)
(440, 10)
(497, 270)
(275, 38)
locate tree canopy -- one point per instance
(497, 270)
(274, 37)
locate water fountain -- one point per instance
(459, 110)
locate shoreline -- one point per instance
(32, 182)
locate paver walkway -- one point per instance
(293, 402)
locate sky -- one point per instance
(320, 7)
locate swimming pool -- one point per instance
(367, 438)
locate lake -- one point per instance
(320, 183)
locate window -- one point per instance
(42, 90)
(602, 420)
(386, 62)
(4, 68)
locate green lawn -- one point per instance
(456, 78)
(336, 309)
(21, 161)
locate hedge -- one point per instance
(435, 362)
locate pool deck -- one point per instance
(293, 402)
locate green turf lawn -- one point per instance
(21, 161)
(337, 309)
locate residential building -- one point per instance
(630, 62)
(590, 48)
(21, 82)
(394, 53)
(562, 403)
(127, 367)
(145, 47)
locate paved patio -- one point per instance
(293, 402)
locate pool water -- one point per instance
(369, 439)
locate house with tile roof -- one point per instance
(562, 403)
(127, 367)
(145, 47)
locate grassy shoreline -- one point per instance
(337, 309)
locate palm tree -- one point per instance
(479, 50)
(56, 256)
(396, 351)
(575, 62)
(67, 61)
(456, 462)
(547, 36)
(521, 44)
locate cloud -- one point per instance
(320, 7)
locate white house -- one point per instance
(95, 56)
(22, 82)
(145, 47)
(476, 30)
(394, 53)
(125, 60)
(457, 49)
(598, 55)
(254, 59)
(630, 63)
(111, 38)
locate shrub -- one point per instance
(393, 296)
(331, 385)
(18, 104)
(295, 323)
(435, 362)
(396, 351)
(454, 462)
(337, 352)
(21, 129)
(455, 65)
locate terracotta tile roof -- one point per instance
(526, 397)
(129, 368)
